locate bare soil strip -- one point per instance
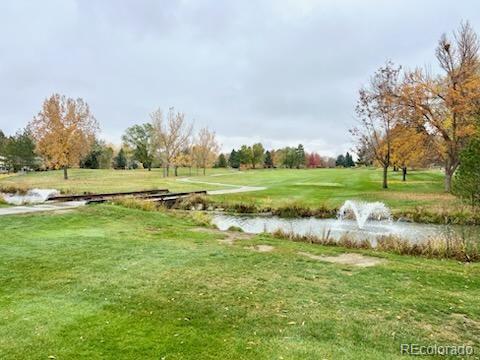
(346, 259)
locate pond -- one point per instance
(372, 230)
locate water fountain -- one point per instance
(34, 196)
(360, 220)
(362, 212)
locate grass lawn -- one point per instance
(110, 282)
(99, 180)
(314, 188)
(331, 187)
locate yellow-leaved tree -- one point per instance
(412, 148)
(447, 106)
(64, 131)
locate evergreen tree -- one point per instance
(120, 161)
(99, 157)
(268, 160)
(234, 159)
(19, 151)
(221, 161)
(300, 156)
(91, 160)
(466, 183)
(349, 160)
(340, 161)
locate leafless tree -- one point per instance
(378, 113)
(171, 135)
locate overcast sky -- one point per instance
(279, 72)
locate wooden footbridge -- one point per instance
(158, 195)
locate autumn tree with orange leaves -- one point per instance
(446, 106)
(412, 148)
(64, 131)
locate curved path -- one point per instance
(236, 188)
(25, 209)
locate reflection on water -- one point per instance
(413, 232)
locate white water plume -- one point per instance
(34, 196)
(362, 212)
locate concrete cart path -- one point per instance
(236, 188)
(25, 209)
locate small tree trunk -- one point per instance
(404, 173)
(204, 171)
(448, 180)
(176, 170)
(449, 170)
(149, 167)
(385, 173)
(65, 172)
(168, 170)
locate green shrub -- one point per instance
(466, 183)
(200, 218)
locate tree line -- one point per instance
(63, 135)
(411, 118)
(255, 156)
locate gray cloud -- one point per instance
(280, 72)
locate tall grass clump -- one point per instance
(192, 202)
(293, 209)
(13, 189)
(200, 218)
(459, 215)
(134, 203)
(441, 247)
(324, 239)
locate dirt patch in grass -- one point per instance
(346, 259)
(466, 321)
(261, 248)
(229, 236)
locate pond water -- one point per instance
(412, 232)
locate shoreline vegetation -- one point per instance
(460, 216)
(442, 247)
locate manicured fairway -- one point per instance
(331, 187)
(314, 188)
(100, 180)
(105, 282)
